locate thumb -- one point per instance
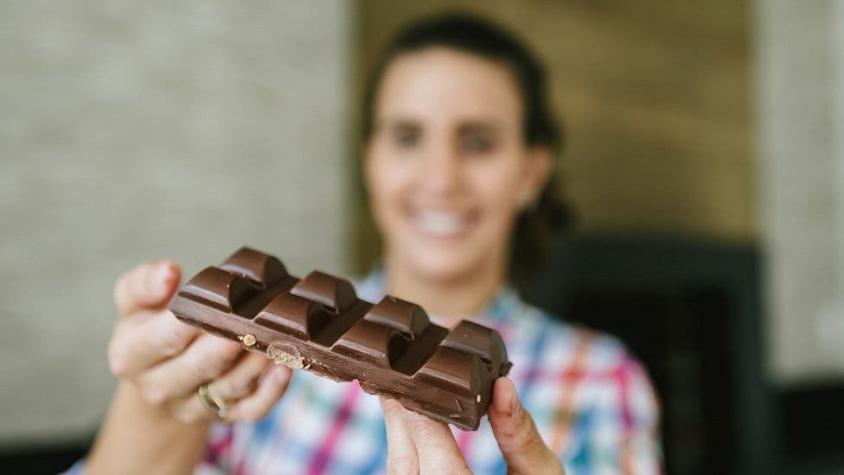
(516, 434)
(146, 287)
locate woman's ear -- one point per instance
(539, 165)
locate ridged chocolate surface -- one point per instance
(317, 323)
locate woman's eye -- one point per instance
(476, 144)
(407, 138)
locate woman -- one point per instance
(459, 153)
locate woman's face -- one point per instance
(446, 166)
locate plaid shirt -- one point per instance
(591, 401)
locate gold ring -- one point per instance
(214, 403)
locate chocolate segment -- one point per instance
(219, 288)
(261, 268)
(472, 338)
(295, 316)
(407, 318)
(336, 294)
(371, 343)
(318, 324)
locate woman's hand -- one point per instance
(167, 360)
(417, 444)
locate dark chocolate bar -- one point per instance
(318, 324)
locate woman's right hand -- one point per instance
(167, 360)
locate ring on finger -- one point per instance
(212, 402)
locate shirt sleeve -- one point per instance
(620, 429)
(217, 457)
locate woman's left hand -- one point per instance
(417, 444)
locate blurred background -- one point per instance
(704, 161)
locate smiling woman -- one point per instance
(487, 98)
(448, 171)
(459, 156)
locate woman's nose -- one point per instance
(442, 173)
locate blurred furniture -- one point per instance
(43, 459)
(690, 311)
(809, 431)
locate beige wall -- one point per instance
(800, 77)
(130, 131)
(654, 94)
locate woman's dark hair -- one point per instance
(468, 33)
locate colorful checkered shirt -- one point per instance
(591, 400)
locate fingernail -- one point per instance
(511, 401)
(163, 274)
(281, 374)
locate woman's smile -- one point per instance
(442, 224)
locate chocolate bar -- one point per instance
(318, 324)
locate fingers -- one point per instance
(271, 385)
(206, 359)
(417, 444)
(401, 451)
(435, 444)
(146, 287)
(242, 380)
(518, 439)
(146, 338)
(168, 360)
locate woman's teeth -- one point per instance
(440, 223)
